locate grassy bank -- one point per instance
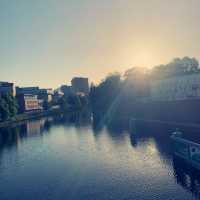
(27, 116)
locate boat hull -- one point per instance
(187, 150)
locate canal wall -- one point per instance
(184, 111)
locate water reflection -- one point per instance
(187, 176)
(78, 118)
(10, 136)
(83, 162)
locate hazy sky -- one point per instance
(47, 42)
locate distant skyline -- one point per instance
(47, 42)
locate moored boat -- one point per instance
(186, 149)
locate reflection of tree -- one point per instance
(186, 176)
(158, 133)
(79, 118)
(133, 139)
(9, 137)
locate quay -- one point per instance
(135, 124)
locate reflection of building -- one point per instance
(28, 103)
(80, 85)
(6, 88)
(34, 127)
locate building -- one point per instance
(27, 90)
(80, 85)
(66, 90)
(6, 88)
(45, 94)
(185, 87)
(57, 95)
(28, 103)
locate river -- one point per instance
(49, 159)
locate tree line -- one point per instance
(9, 107)
(72, 102)
(114, 96)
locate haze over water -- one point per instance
(48, 160)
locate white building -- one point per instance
(176, 88)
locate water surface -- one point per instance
(46, 160)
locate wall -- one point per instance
(176, 88)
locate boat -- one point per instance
(186, 149)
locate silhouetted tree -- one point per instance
(136, 82)
(62, 102)
(117, 97)
(104, 98)
(46, 105)
(177, 67)
(73, 102)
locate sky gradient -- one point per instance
(47, 42)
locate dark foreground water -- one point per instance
(43, 160)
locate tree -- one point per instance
(8, 106)
(63, 104)
(135, 73)
(4, 109)
(177, 67)
(12, 104)
(104, 97)
(136, 82)
(46, 105)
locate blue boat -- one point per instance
(186, 149)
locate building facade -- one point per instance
(66, 90)
(27, 90)
(80, 85)
(6, 88)
(45, 95)
(28, 103)
(176, 88)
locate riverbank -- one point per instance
(163, 126)
(27, 116)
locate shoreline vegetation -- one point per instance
(67, 106)
(125, 96)
(115, 99)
